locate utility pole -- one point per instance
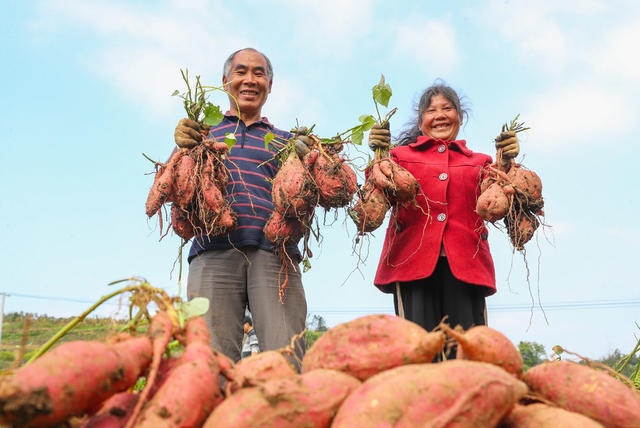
(2, 315)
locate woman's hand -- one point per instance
(508, 142)
(379, 137)
(187, 133)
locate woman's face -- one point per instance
(440, 120)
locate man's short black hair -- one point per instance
(247, 319)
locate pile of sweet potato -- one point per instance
(194, 181)
(377, 370)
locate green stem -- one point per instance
(377, 111)
(44, 348)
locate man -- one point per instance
(240, 269)
(250, 346)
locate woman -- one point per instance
(436, 257)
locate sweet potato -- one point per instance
(582, 389)
(406, 186)
(114, 412)
(161, 332)
(283, 231)
(540, 415)
(371, 344)
(525, 182)
(308, 400)
(70, 379)
(192, 388)
(381, 175)
(521, 226)
(452, 393)
(155, 198)
(335, 179)
(294, 192)
(185, 181)
(260, 368)
(189, 394)
(493, 204)
(482, 343)
(182, 222)
(370, 210)
(212, 195)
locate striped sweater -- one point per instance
(249, 188)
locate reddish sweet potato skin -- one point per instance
(70, 379)
(493, 204)
(260, 368)
(114, 412)
(336, 181)
(185, 181)
(188, 395)
(482, 343)
(155, 198)
(370, 209)
(540, 415)
(308, 400)
(582, 389)
(182, 222)
(371, 344)
(283, 231)
(294, 192)
(453, 393)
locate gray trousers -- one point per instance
(231, 280)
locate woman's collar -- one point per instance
(423, 142)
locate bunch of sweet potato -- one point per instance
(387, 184)
(514, 195)
(194, 181)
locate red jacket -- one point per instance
(449, 175)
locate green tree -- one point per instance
(614, 359)
(316, 323)
(532, 354)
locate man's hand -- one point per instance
(508, 142)
(379, 137)
(302, 141)
(187, 133)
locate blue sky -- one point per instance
(86, 89)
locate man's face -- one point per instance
(248, 83)
(247, 327)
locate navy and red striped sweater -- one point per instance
(249, 188)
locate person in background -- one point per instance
(240, 269)
(439, 264)
(250, 346)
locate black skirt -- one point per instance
(427, 301)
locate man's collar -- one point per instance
(262, 120)
(424, 142)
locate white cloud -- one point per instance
(140, 50)
(431, 43)
(614, 56)
(328, 28)
(579, 113)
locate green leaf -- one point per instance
(357, 136)
(367, 122)
(267, 139)
(306, 265)
(212, 115)
(176, 92)
(230, 140)
(195, 307)
(382, 92)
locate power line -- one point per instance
(517, 307)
